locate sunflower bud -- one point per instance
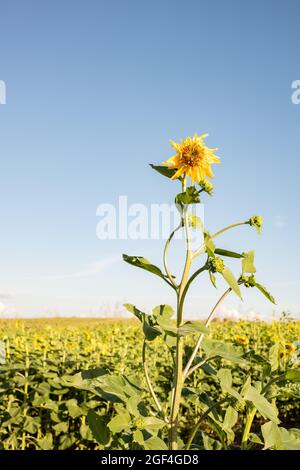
(248, 281)
(239, 406)
(216, 265)
(139, 422)
(206, 186)
(256, 221)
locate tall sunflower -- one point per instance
(192, 158)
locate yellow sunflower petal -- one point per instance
(178, 173)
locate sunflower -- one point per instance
(290, 348)
(192, 158)
(242, 339)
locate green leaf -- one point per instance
(163, 170)
(248, 263)
(93, 373)
(138, 437)
(143, 263)
(290, 439)
(190, 196)
(212, 279)
(187, 328)
(112, 386)
(86, 432)
(208, 369)
(264, 291)
(279, 438)
(228, 351)
(98, 426)
(120, 422)
(61, 428)
(191, 327)
(231, 281)
(132, 407)
(163, 311)
(168, 325)
(31, 425)
(273, 356)
(132, 309)
(153, 424)
(206, 400)
(230, 419)
(266, 409)
(229, 254)
(155, 443)
(255, 439)
(115, 388)
(74, 410)
(150, 332)
(46, 443)
(170, 341)
(66, 441)
(120, 387)
(133, 385)
(225, 378)
(293, 375)
(209, 443)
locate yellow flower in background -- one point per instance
(242, 339)
(192, 158)
(290, 348)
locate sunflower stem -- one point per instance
(178, 378)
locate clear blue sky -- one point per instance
(95, 90)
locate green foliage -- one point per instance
(190, 196)
(163, 170)
(278, 438)
(231, 281)
(229, 254)
(99, 427)
(2, 352)
(265, 292)
(143, 263)
(248, 263)
(58, 349)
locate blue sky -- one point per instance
(95, 91)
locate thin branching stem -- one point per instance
(150, 387)
(201, 337)
(201, 249)
(171, 278)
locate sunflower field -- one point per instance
(41, 407)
